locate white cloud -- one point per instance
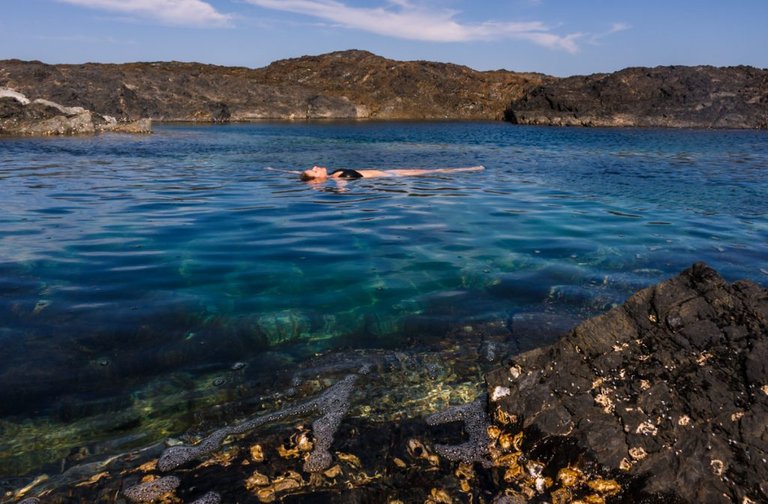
(615, 28)
(175, 12)
(405, 20)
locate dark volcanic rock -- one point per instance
(701, 96)
(671, 388)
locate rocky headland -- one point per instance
(24, 117)
(666, 96)
(361, 85)
(661, 400)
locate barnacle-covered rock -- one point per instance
(666, 387)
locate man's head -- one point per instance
(314, 173)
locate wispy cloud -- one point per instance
(175, 12)
(615, 28)
(403, 19)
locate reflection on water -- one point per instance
(133, 269)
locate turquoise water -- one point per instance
(124, 258)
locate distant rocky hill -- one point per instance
(362, 85)
(673, 96)
(388, 89)
(349, 84)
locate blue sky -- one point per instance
(557, 37)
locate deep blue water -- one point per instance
(126, 257)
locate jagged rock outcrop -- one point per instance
(674, 96)
(671, 388)
(347, 84)
(20, 116)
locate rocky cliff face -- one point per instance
(702, 96)
(349, 84)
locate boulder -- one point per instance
(670, 389)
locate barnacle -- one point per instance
(569, 476)
(438, 496)
(504, 418)
(465, 473)
(604, 486)
(416, 449)
(257, 453)
(333, 472)
(350, 459)
(288, 481)
(256, 480)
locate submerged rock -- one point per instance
(475, 423)
(152, 490)
(669, 388)
(664, 399)
(21, 116)
(332, 405)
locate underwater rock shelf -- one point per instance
(663, 399)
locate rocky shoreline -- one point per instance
(21, 116)
(361, 85)
(662, 399)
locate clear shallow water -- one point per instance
(124, 259)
